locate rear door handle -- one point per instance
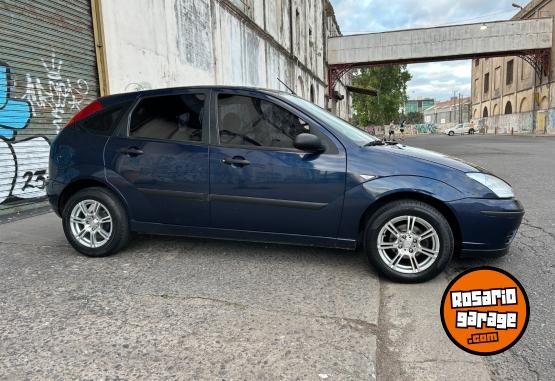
(237, 161)
(131, 151)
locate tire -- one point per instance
(451, 133)
(109, 237)
(439, 247)
(471, 131)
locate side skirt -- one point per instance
(242, 235)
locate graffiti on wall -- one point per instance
(56, 95)
(23, 162)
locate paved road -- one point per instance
(528, 163)
(200, 309)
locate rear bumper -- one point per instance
(53, 191)
(488, 226)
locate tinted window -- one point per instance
(105, 122)
(175, 117)
(331, 121)
(255, 122)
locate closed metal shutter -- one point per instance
(47, 74)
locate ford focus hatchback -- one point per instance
(260, 165)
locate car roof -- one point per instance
(203, 87)
(131, 96)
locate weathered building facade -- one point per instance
(229, 42)
(509, 94)
(449, 113)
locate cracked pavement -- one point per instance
(528, 163)
(180, 308)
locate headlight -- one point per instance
(497, 186)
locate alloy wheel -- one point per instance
(408, 244)
(91, 224)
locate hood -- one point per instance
(434, 157)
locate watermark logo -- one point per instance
(485, 311)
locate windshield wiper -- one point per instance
(374, 143)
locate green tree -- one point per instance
(391, 84)
(414, 118)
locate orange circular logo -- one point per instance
(485, 311)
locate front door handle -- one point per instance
(236, 161)
(131, 151)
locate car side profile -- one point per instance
(460, 129)
(260, 165)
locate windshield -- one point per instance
(338, 125)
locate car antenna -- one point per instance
(288, 88)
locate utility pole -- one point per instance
(460, 108)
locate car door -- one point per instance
(260, 182)
(159, 162)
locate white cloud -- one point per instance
(438, 79)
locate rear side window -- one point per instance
(106, 121)
(172, 117)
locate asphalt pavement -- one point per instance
(181, 308)
(528, 164)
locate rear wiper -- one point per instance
(374, 143)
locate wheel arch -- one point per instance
(81, 184)
(441, 206)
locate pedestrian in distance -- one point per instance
(391, 131)
(402, 130)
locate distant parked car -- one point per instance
(260, 165)
(460, 129)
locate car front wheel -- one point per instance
(409, 241)
(95, 222)
(451, 133)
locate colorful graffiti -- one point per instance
(57, 95)
(23, 163)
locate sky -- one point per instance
(437, 80)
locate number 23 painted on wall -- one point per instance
(24, 163)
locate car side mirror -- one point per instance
(309, 143)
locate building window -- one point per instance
(312, 95)
(508, 108)
(497, 79)
(485, 114)
(486, 83)
(510, 72)
(476, 87)
(298, 31)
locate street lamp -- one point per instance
(518, 6)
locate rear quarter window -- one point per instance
(106, 121)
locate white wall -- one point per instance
(168, 43)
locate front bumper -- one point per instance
(487, 226)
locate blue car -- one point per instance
(260, 165)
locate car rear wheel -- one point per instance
(95, 222)
(409, 241)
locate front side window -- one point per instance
(356, 135)
(254, 122)
(172, 117)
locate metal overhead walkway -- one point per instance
(530, 39)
